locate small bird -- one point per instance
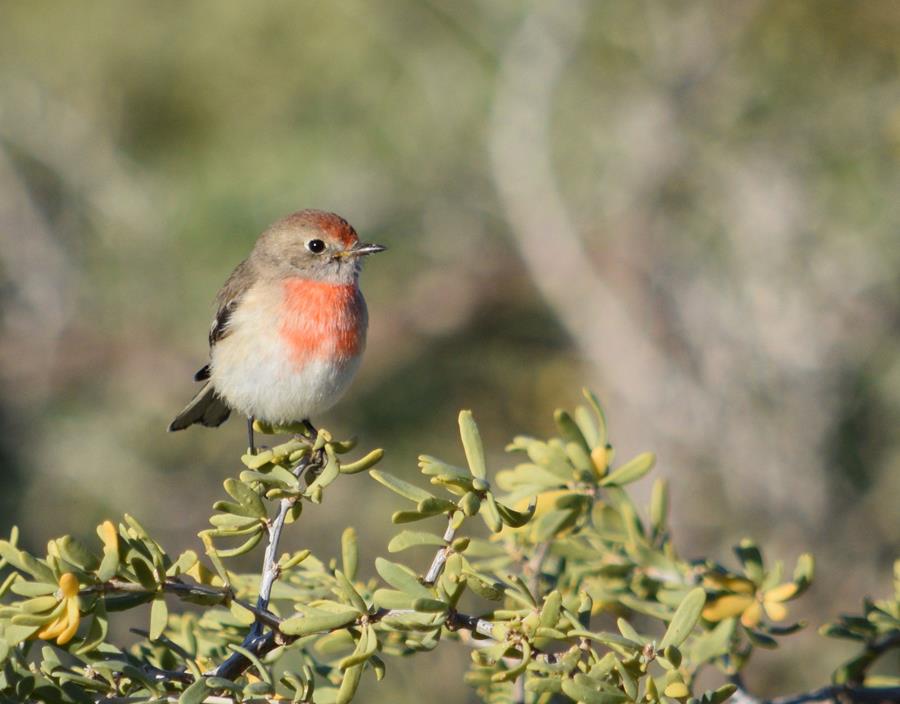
(290, 326)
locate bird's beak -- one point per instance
(361, 249)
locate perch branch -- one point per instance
(237, 663)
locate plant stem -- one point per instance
(237, 663)
(440, 558)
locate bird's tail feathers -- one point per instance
(206, 408)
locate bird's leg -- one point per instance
(317, 460)
(250, 437)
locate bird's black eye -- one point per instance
(316, 246)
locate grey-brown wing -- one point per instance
(229, 299)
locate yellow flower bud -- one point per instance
(600, 458)
(68, 585)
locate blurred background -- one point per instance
(690, 207)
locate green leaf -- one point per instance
(588, 426)
(471, 440)
(580, 690)
(14, 634)
(233, 521)
(803, 573)
(686, 617)
(760, 639)
(433, 505)
(317, 620)
(38, 604)
(627, 630)
(399, 486)
(392, 599)
(144, 573)
(414, 538)
(329, 473)
(244, 547)
(21, 560)
(402, 578)
(715, 643)
(659, 505)
(631, 471)
(751, 559)
(594, 402)
(490, 513)
(349, 552)
(349, 684)
(569, 429)
(430, 605)
(550, 609)
(246, 497)
(364, 463)
(513, 518)
(159, 617)
(484, 589)
(74, 551)
(470, 503)
(407, 517)
(365, 648)
(195, 694)
(719, 695)
(23, 588)
(350, 593)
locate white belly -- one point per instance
(252, 370)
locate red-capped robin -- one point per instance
(290, 326)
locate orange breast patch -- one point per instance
(321, 320)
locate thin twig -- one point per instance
(440, 558)
(173, 586)
(271, 569)
(255, 641)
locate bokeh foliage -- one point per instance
(576, 593)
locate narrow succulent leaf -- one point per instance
(470, 503)
(491, 514)
(628, 631)
(402, 578)
(399, 486)
(631, 471)
(414, 538)
(399, 517)
(349, 592)
(803, 573)
(569, 429)
(550, 610)
(366, 462)
(246, 497)
(686, 617)
(244, 547)
(471, 440)
(317, 620)
(195, 694)
(659, 506)
(159, 616)
(75, 552)
(392, 599)
(430, 605)
(349, 684)
(349, 552)
(513, 518)
(588, 426)
(594, 402)
(434, 505)
(751, 559)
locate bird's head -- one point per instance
(314, 244)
